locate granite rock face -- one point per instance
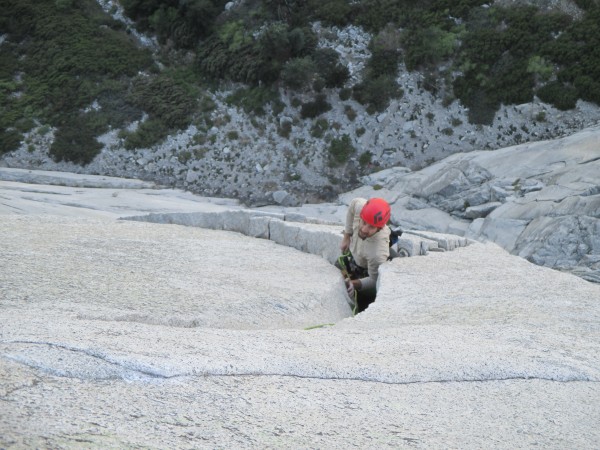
(143, 335)
(128, 334)
(540, 200)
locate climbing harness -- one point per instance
(351, 271)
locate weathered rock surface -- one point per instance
(467, 348)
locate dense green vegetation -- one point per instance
(60, 57)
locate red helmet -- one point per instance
(376, 212)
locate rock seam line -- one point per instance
(155, 375)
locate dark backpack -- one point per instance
(394, 235)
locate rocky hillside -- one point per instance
(286, 158)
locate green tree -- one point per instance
(340, 150)
(298, 73)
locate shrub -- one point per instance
(588, 88)
(285, 129)
(277, 107)
(345, 94)
(180, 22)
(148, 133)
(350, 113)
(75, 141)
(333, 12)
(427, 46)
(298, 73)
(319, 128)
(365, 158)
(315, 108)
(184, 156)
(340, 150)
(377, 92)
(561, 96)
(10, 140)
(165, 99)
(329, 68)
(318, 85)
(383, 62)
(65, 72)
(253, 100)
(586, 4)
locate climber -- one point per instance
(365, 246)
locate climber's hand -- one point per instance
(349, 287)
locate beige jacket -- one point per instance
(371, 252)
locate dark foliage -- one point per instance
(59, 56)
(147, 134)
(377, 92)
(495, 54)
(63, 72)
(329, 68)
(561, 96)
(315, 108)
(164, 99)
(253, 100)
(182, 22)
(9, 140)
(340, 150)
(75, 141)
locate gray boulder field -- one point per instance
(137, 334)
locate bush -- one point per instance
(350, 113)
(332, 12)
(365, 158)
(374, 15)
(383, 62)
(319, 128)
(183, 23)
(285, 129)
(329, 68)
(560, 96)
(345, 94)
(377, 92)
(427, 47)
(148, 133)
(253, 100)
(165, 99)
(10, 140)
(588, 88)
(340, 150)
(586, 4)
(385, 54)
(65, 72)
(298, 73)
(75, 141)
(315, 108)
